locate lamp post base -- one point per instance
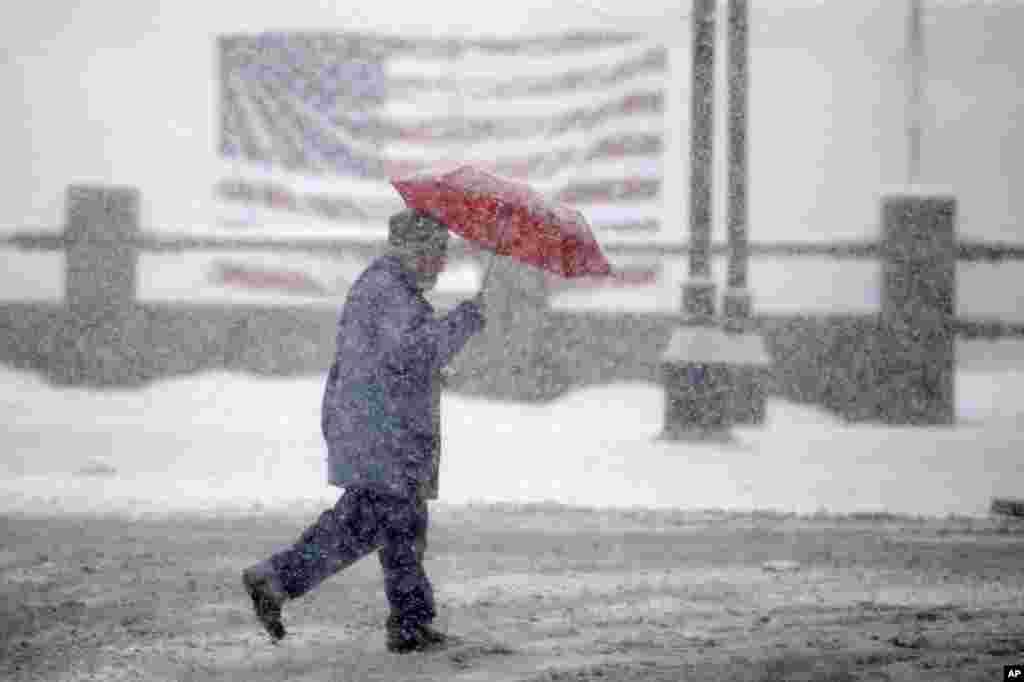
(679, 434)
(713, 381)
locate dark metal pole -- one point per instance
(699, 291)
(915, 49)
(737, 297)
(713, 378)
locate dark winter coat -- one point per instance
(381, 404)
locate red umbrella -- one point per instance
(508, 218)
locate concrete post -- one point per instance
(101, 258)
(917, 354)
(94, 346)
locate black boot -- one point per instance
(407, 640)
(436, 637)
(264, 587)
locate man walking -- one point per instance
(381, 422)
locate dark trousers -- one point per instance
(361, 522)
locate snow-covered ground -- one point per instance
(221, 442)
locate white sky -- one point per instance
(53, 19)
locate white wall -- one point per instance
(129, 96)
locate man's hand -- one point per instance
(479, 310)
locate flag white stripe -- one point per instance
(595, 79)
(476, 64)
(265, 222)
(362, 191)
(415, 107)
(600, 215)
(576, 139)
(603, 214)
(603, 170)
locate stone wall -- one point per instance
(830, 361)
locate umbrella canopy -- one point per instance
(508, 218)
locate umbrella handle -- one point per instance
(503, 215)
(487, 273)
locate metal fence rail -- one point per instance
(969, 251)
(100, 334)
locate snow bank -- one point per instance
(221, 443)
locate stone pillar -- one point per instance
(917, 354)
(101, 258)
(95, 346)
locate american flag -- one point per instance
(316, 124)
